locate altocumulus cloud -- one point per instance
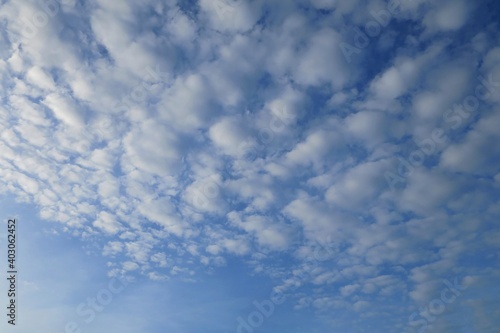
(179, 136)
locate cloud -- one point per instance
(229, 134)
(322, 61)
(107, 223)
(271, 234)
(174, 138)
(231, 16)
(475, 155)
(448, 16)
(65, 110)
(143, 153)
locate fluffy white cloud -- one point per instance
(475, 154)
(65, 110)
(447, 15)
(107, 222)
(143, 152)
(269, 234)
(229, 134)
(323, 61)
(231, 16)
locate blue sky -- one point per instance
(252, 166)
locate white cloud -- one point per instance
(271, 234)
(475, 155)
(107, 223)
(396, 80)
(373, 127)
(65, 110)
(231, 16)
(143, 151)
(428, 191)
(237, 246)
(162, 212)
(39, 77)
(229, 134)
(360, 184)
(323, 61)
(447, 15)
(187, 104)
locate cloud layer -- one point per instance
(177, 136)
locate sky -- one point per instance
(251, 166)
